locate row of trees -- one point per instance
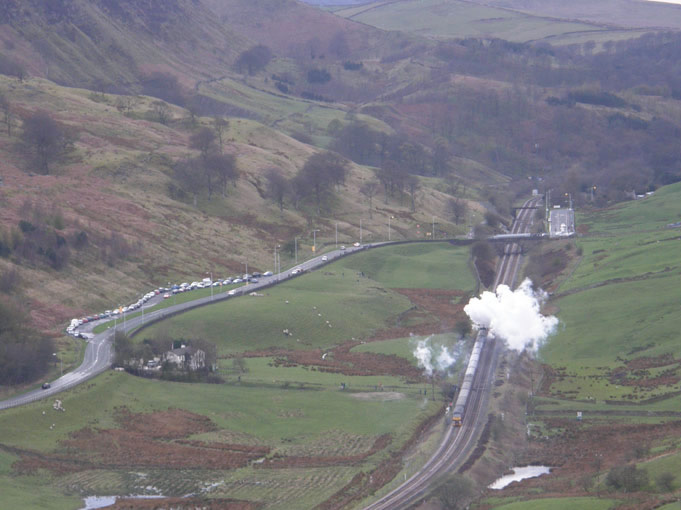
(364, 145)
(25, 354)
(212, 170)
(322, 173)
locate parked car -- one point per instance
(166, 295)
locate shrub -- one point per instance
(627, 478)
(318, 76)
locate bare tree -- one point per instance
(162, 111)
(277, 186)
(320, 172)
(125, 103)
(457, 208)
(369, 190)
(220, 125)
(223, 167)
(193, 108)
(413, 185)
(203, 141)
(7, 113)
(456, 492)
(46, 140)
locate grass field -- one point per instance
(620, 305)
(291, 421)
(328, 306)
(427, 266)
(438, 18)
(294, 410)
(559, 504)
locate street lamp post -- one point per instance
(314, 240)
(360, 231)
(296, 250)
(433, 230)
(211, 284)
(246, 263)
(336, 234)
(389, 217)
(61, 365)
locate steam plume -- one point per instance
(428, 360)
(513, 315)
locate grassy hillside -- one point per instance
(440, 19)
(615, 358)
(622, 294)
(281, 433)
(116, 184)
(114, 44)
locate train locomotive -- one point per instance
(459, 407)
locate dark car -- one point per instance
(46, 386)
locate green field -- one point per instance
(328, 306)
(439, 18)
(621, 304)
(288, 420)
(295, 410)
(414, 266)
(559, 504)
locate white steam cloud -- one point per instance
(513, 315)
(431, 358)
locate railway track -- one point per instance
(457, 443)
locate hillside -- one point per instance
(434, 128)
(615, 359)
(114, 188)
(555, 22)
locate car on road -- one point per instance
(46, 386)
(343, 248)
(231, 292)
(268, 273)
(356, 245)
(324, 258)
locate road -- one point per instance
(99, 353)
(456, 444)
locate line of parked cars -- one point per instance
(166, 292)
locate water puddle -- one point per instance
(520, 473)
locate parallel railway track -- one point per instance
(457, 443)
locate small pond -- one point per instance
(520, 473)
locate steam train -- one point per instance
(459, 407)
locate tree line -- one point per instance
(25, 354)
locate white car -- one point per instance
(231, 292)
(324, 258)
(356, 245)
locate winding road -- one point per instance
(99, 353)
(456, 444)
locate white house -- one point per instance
(192, 359)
